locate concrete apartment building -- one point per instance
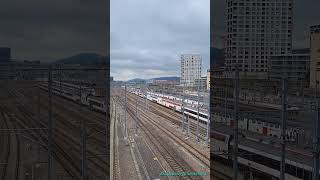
(257, 30)
(314, 55)
(190, 68)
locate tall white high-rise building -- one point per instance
(256, 30)
(190, 68)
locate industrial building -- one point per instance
(295, 67)
(257, 30)
(201, 83)
(190, 68)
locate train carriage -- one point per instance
(263, 159)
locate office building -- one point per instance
(190, 68)
(314, 55)
(257, 30)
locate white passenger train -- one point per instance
(71, 92)
(268, 127)
(174, 103)
(262, 158)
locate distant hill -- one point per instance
(83, 58)
(136, 80)
(172, 78)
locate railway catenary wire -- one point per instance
(67, 127)
(151, 122)
(98, 120)
(98, 117)
(217, 174)
(175, 118)
(27, 111)
(65, 154)
(139, 156)
(59, 153)
(5, 140)
(202, 157)
(166, 151)
(7, 162)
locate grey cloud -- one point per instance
(164, 29)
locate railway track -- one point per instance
(161, 147)
(174, 118)
(64, 128)
(62, 145)
(115, 153)
(174, 160)
(11, 164)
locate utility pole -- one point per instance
(115, 111)
(136, 122)
(235, 126)
(39, 122)
(316, 129)
(60, 81)
(83, 139)
(225, 103)
(50, 125)
(145, 100)
(198, 108)
(283, 129)
(182, 108)
(208, 122)
(188, 119)
(125, 112)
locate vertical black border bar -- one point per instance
(211, 84)
(108, 85)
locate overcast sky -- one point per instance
(306, 13)
(148, 36)
(52, 29)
